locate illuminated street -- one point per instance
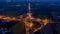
(29, 17)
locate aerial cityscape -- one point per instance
(29, 16)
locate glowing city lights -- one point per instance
(45, 21)
(27, 20)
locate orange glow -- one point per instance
(13, 18)
(29, 25)
(7, 18)
(1, 17)
(29, 15)
(21, 16)
(38, 19)
(45, 21)
(27, 20)
(36, 29)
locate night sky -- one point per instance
(18, 7)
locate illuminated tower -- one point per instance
(29, 14)
(29, 17)
(29, 7)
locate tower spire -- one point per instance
(29, 7)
